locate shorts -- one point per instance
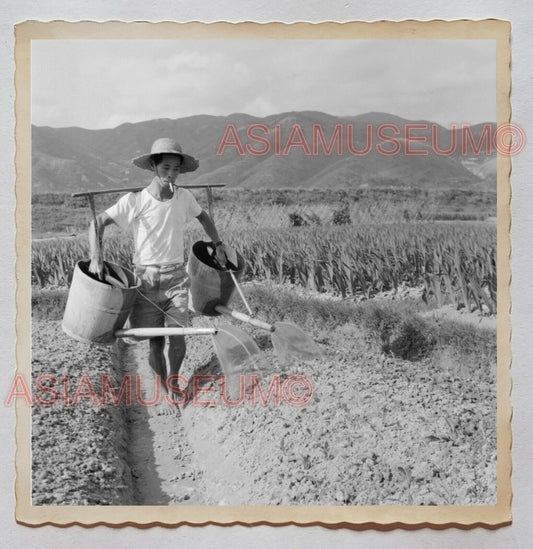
(167, 289)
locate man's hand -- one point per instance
(221, 255)
(96, 266)
(209, 227)
(231, 260)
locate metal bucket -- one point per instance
(209, 286)
(95, 310)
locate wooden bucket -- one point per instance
(209, 286)
(95, 310)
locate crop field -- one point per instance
(349, 244)
(455, 263)
(404, 403)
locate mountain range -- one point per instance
(294, 149)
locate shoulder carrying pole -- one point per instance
(136, 189)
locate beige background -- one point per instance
(212, 536)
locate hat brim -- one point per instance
(188, 163)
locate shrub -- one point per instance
(413, 340)
(297, 220)
(342, 216)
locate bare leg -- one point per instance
(176, 354)
(156, 359)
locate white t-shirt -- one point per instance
(158, 226)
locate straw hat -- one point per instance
(165, 145)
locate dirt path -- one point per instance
(163, 467)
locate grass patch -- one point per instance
(48, 304)
(394, 327)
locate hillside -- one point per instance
(282, 150)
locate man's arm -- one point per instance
(211, 231)
(209, 226)
(95, 243)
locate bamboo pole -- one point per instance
(244, 318)
(135, 189)
(161, 332)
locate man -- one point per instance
(157, 216)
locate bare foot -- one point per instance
(166, 408)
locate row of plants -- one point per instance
(455, 263)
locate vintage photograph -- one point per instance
(265, 271)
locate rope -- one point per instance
(157, 306)
(216, 341)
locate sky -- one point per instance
(104, 83)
